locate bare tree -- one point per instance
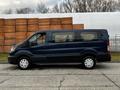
(118, 6)
(58, 8)
(70, 6)
(8, 11)
(80, 5)
(111, 6)
(42, 8)
(104, 6)
(95, 5)
(24, 10)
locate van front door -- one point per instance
(37, 47)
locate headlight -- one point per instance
(12, 49)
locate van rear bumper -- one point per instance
(104, 57)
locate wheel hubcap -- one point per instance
(89, 62)
(24, 63)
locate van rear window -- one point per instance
(88, 36)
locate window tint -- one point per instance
(63, 37)
(88, 36)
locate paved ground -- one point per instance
(106, 76)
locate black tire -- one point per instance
(89, 62)
(24, 63)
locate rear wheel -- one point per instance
(89, 62)
(24, 63)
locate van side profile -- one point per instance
(62, 46)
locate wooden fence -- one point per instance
(13, 31)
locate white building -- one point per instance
(107, 20)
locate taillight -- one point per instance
(108, 46)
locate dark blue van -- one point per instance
(62, 46)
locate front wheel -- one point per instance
(24, 63)
(89, 62)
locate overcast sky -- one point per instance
(5, 4)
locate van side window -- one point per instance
(88, 36)
(62, 37)
(37, 39)
(41, 39)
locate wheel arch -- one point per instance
(23, 53)
(89, 52)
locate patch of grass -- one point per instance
(3, 57)
(115, 57)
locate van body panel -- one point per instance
(64, 52)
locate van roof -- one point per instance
(98, 30)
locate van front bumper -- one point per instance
(12, 60)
